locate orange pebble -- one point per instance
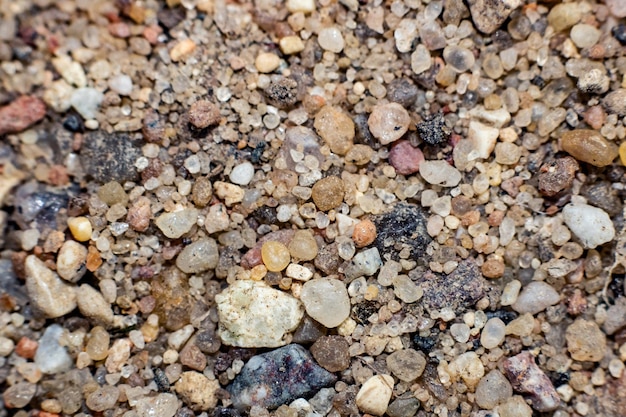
(364, 233)
(26, 348)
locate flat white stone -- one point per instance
(252, 314)
(590, 224)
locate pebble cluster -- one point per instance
(312, 208)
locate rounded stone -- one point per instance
(407, 364)
(590, 224)
(493, 389)
(459, 58)
(336, 128)
(331, 39)
(364, 233)
(589, 146)
(585, 341)
(326, 300)
(199, 256)
(48, 293)
(71, 261)
(242, 174)
(275, 256)
(493, 333)
(405, 158)
(388, 122)
(303, 246)
(328, 192)
(331, 352)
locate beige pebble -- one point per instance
(80, 227)
(291, 45)
(266, 62)
(373, 397)
(92, 304)
(182, 49)
(71, 261)
(48, 293)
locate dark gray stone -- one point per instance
(278, 377)
(404, 225)
(109, 156)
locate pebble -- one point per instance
(585, 341)
(122, 84)
(176, 224)
(70, 70)
(492, 268)
(203, 114)
(92, 305)
(21, 113)
(98, 343)
(303, 246)
(242, 174)
(118, 355)
(617, 8)
(275, 256)
(102, 399)
(589, 146)
(405, 289)
(278, 377)
(439, 172)
(467, 367)
(375, 394)
(388, 122)
(536, 297)
(507, 153)
(402, 91)
(526, 377)
(86, 101)
(364, 233)
(328, 193)
(406, 364)
(405, 158)
(266, 62)
(493, 333)
(615, 102)
(460, 332)
(493, 389)
(326, 300)
(420, 59)
(230, 193)
(584, 35)
(304, 6)
(199, 256)
(459, 58)
(331, 39)
(336, 128)
(488, 15)
(458, 290)
(331, 352)
(182, 49)
(48, 293)
(515, 407)
(6, 346)
(197, 391)
(71, 261)
(80, 227)
(252, 314)
(162, 405)
(590, 224)
(19, 395)
(299, 272)
(364, 263)
(557, 175)
(52, 358)
(139, 214)
(290, 45)
(564, 16)
(521, 326)
(109, 156)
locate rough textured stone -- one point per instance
(252, 314)
(591, 225)
(407, 364)
(389, 122)
(331, 352)
(557, 175)
(403, 226)
(526, 377)
(109, 156)
(197, 391)
(488, 15)
(458, 290)
(176, 224)
(199, 256)
(278, 377)
(440, 172)
(492, 390)
(336, 128)
(20, 114)
(405, 158)
(328, 192)
(373, 397)
(585, 341)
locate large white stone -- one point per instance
(326, 300)
(590, 224)
(252, 314)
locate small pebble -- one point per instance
(388, 122)
(375, 394)
(331, 39)
(162, 405)
(493, 389)
(439, 173)
(104, 398)
(266, 62)
(203, 114)
(405, 158)
(230, 193)
(6, 346)
(48, 293)
(71, 261)
(488, 15)
(467, 367)
(174, 225)
(197, 391)
(615, 102)
(326, 300)
(122, 84)
(304, 6)
(590, 224)
(589, 146)
(331, 352)
(303, 246)
(460, 59)
(86, 101)
(21, 113)
(80, 227)
(525, 376)
(557, 175)
(199, 256)
(585, 341)
(328, 193)
(52, 358)
(290, 45)
(492, 268)
(364, 233)
(536, 297)
(19, 395)
(407, 364)
(92, 305)
(515, 407)
(564, 16)
(493, 333)
(182, 49)
(336, 128)
(275, 256)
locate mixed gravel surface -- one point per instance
(309, 208)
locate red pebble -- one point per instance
(20, 114)
(26, 348)
(405, 158)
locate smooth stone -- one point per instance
(242, 174)
(407, 364)
(331, 39)
(163, 405)
(71, 261)
(493, 389)
(86, 101)
(440, 172)
(364, 263)
(326, 300)
(373, 397)
(48, 293)
(92, 304)
(199, 256)
(536, 297)
(590, 224)
(589, 146)
(252, 314)
(278, 377)
(51, 357)
(175, 224)
(388, 122)
(493, 333)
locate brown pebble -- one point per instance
(153, 128)
(589, 146)
(20, 114)
(203, 114)
(525, 376)
(192, 357)
(119, 30)
(26, 348)
(495, 218)
(328, 192)
(331, 352)
(557, 176)
(364, 233)
(139, 214)
(282, 93)
(492, 268)
(595, 117)
(201, 192)
(93, 259)
(576, 303)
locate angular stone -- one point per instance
(252, 314)
(326, 300)
(71, 261)
(373, 397)
(52, 358)
(526, 377)
(175, 224)
(388, 122)
(585, 341)
(163, 405)
(92, 304)
(109, 156)
(488, 15)
(440, 172)
(403, 226)
(536, 297)
(590, 224)
(278, 377)
(407, 364)
(197, 391)
(467, 367)
(493, 389)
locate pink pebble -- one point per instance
(405, 158)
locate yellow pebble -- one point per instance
(371, 293)
(291, 45)
(182, 49)
(622, 152)
(267, 62)
(258, 272)
(80, 228)
(275, 256)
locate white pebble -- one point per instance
(331, 39)
(242, 174)
(122, 84)
(440, 173)
(590, 224)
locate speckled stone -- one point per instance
(331, 352)
(525, 376)
(585, 341)
(197, 391)
(278, 377)
(328, 192)
(199, 256)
